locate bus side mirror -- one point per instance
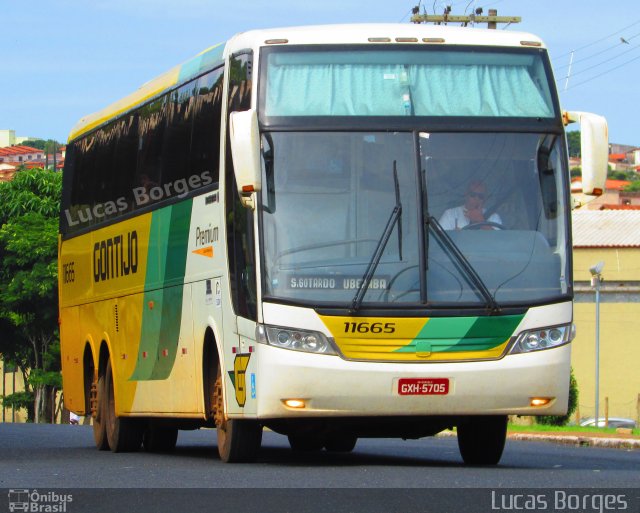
(245, 150)
(594, 142)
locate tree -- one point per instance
(573, 140)
(35, 143)
(41, 144)
(632, 187)
(29, 211)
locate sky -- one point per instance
(63, 59)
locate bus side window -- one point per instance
(151, 126)
(207, 117)
(124, 161)
(177, 140)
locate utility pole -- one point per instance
(491, 20)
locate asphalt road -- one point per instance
(55, 457)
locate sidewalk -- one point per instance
(577, 439)
(580, 439)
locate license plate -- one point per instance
(423, 386)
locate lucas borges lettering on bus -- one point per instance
(142, 195)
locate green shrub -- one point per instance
(562, 420)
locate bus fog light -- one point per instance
(294, 403)
(543, 338)
(294, 339)
(537, 402)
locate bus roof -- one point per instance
(404, 34)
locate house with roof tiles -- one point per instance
(20, 154)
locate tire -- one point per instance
(305, 443)
(157, 439)
(341, 443)
(123, 434)
(481, 440)
(99, 427)
(239, 440)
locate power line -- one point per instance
(597, 53)
(597, 41)
(405, 16)
(601, 63)
(603, 73)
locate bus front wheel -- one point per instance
(481, 439)
(99, 427)
(124, 434)
(305, 443)
(341, 443)
(239, 440)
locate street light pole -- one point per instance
(596, 281)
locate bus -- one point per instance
(261, 238)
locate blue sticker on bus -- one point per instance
(253, 386)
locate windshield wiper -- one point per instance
(471, 273)
(395, 217)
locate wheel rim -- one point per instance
(218, 400)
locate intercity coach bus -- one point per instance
(261, 237)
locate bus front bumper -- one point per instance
(329, 386)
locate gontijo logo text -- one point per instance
(115, 257)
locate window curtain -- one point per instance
(399, 90)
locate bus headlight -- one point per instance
(543, 338)
(294, 339)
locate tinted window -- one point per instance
(205, 143)
(163, 150)
(177, 134)
(151, 126)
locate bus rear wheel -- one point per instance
(124, 434)
(481, 439)
(239, 440)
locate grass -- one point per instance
(540, 428)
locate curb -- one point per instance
(575, 441)
(580, 441)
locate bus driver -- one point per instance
(471, 212)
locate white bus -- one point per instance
(333, 232)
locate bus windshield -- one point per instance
(401, 81)
(482, 219)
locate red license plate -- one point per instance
(423, 386)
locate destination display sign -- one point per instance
(342, 282)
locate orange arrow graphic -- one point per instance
(206, 251)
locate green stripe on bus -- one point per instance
(162, 307)
(458, 334)
(176, 261)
